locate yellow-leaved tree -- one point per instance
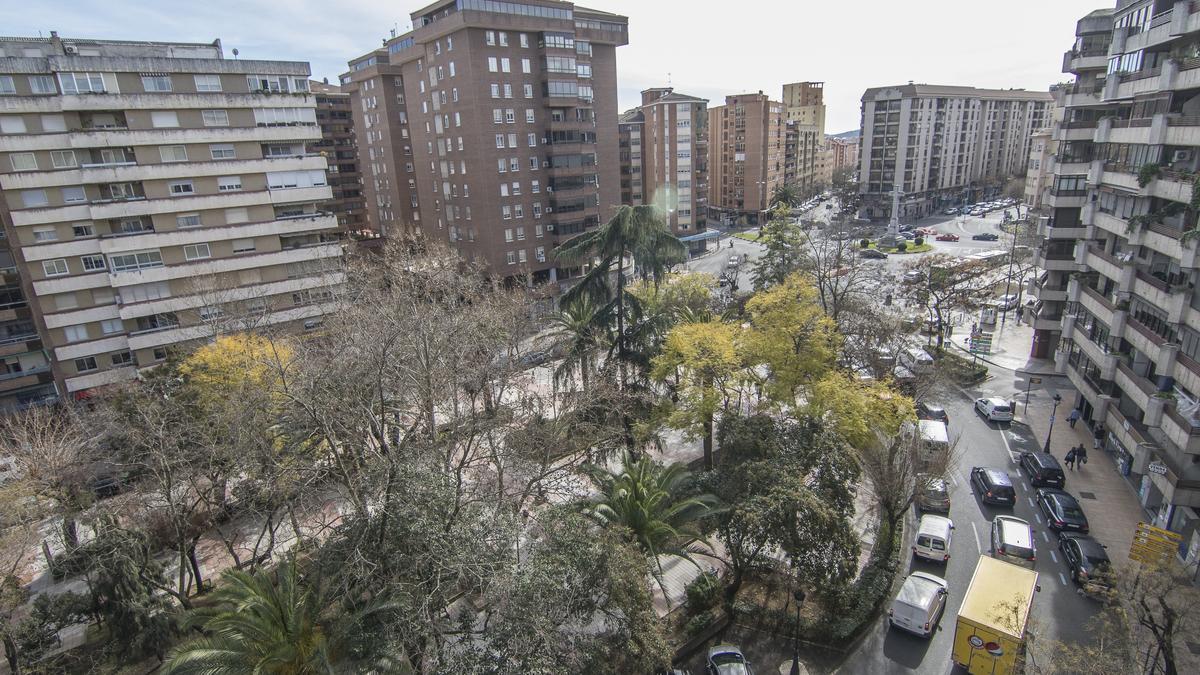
(233, 366)
(791, 335)
(860, 411)
(704, 361)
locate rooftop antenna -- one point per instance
(235, 53)
(395, 27)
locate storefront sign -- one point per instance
(1157, 467)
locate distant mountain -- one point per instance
(847, 134)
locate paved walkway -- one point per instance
(1012, 341)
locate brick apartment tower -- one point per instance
(664, 160)
(493, 126)
(746, 157)
(151, 193)
(804, 107)
(336, 119)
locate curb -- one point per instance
(1018, 371)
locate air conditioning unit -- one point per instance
(545, 140)
(546, 164)
(549, 209)
(550, 227)
(70, 49)
(1182, 156)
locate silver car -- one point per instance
(728, 660)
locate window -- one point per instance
(526, 66)
(505, 212)
(511, 257)
(42, 84)
(529, 115)
(196, 252)
(495, 94)
(82, 230)
(81, 83)
(23, 161)
(492, 64)
(540, 253)
(164, 118)
(504, 189)
(153, 83)
(497, 115)
(537, 210)
(122, 359)
(533, 163)
(229, 183)
(499, 140)
(236, 215)
(514, 164)
(516, 189)
(505, 65)
(65, 301)
(519, 212)
(452, 72)
(55, 268)
(512, 140)
(34, 198)
(528, 90)
(532, 139)
(63, 159)
(215, 118)
(502, 165)
(243, 245)
(510, 116)
(85, 364)
(503, 39)
(185, 220)
(110, 326)
(181, 187)
(222, 151)
(92, 263)
(521, 256)
(11, 124)
(524, 40)
(134, 261)
(508, 236)
(536, 187)
(45, 233)
(490, 37)
(74, 194)
(277, 180)
(507, 90)
(208, 82)
(173, 153)
(53, 123)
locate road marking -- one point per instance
(1039, 519)
(953, 480)
(1045, 537)
(978, 548)
(1026, 486)
(1031, 502)
(1011, 456)
(1062, 578)
(1053, 556)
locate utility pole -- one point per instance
(1012, 254)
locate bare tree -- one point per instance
(949, 284)
(899, 469)
(1164, 606)
(831, 260)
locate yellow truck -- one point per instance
(989, 638)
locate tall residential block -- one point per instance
(804, 107)
(335, 117)
(153, 193)
(943, 146)
(1117, 301)
(844, 149)
(493, 126)
(746, 157)
(664, 160)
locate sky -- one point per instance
(702, 48)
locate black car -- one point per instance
(994, 485)
(1043, 469)
(873, 254)
(1061, 510)
(986, 236)
(932, 411)
(1087, 560)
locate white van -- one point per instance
(934, 438)
(933, 538)
(920, 604)
(916, 360)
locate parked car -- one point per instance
(914, 276)
(926, 231)
(951, 211)
(994, 485)
(927, 410)
(734, 260)
(933, 538)
(1062, 511)
(872, 254)
(1088, 561)
(728, 660)
(1007, 302)
(908, 235)
(994, 409)
(1012, 540)
(1043, 469)
(934, 494)
(947, 236)
(920, 604)
(986, 236)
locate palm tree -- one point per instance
(581, 328)
(637, 232)
(650, 502)
(272, 624)
(785, 193)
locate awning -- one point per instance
(707, 234)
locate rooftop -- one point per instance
(925, 90)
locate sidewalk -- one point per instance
(1011, 344)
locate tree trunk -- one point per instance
(70, 532)
(195, 563)
(10, 653)
(708, 442)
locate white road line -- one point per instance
(1026, 486)
(1053, 556)
(978, 548)
(1039, 519)
(1062, 578)
(1011, 455)
(953, 480)
(1045, 537)
(1031, 502)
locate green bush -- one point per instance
(850, 609)
(864, 243)
(702, 593)
(918, 241)
(902, 246)
(698, 623)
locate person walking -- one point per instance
(1070, 459)
(1098, 437)
(1081, 456)
(1073, 417)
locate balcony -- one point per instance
(1182, 431)
(1076, 95)
(1101, 355)
(1097, 304)
(1143, 339)
(1102, 262)
(1079, 130)
(1048, 293)
(1067, 198)
(1055, 259)
(1183, 130)
(1088, 59)
(1137, 388)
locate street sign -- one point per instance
(1153, 544)
(1035, 380)
(1157, 467)
(981, 343)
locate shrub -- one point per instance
(698, 623)
(864, 243)
(702, 593)
(902, 247)
(918, 241)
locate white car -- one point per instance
(994, 409)
(920, 604)
(1007, 302)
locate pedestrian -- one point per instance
(1073, 417)
(1098, 437)
(1081, 455)
(1020, 311)
(1070, 458)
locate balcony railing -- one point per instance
(1150, 335)
(13, 339)
(1080, 124)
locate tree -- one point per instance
(1109, 651)
(581, 333)
(690, 292)
(1163, 606)
(653, 504)
(836, 270)
(782, 242)
(792, 336)
(704, 361)
(949, 284)
(859, 410)
(898, 468)
(787, 194)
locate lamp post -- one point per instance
(1057, 400)
(799, 595)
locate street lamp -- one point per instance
(1057, 400)
(799, 595)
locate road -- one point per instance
(1059, 612)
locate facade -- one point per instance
(844, 152)
(804, 107)
(1117, 301)
(153, 193)
(746, 157)
(490, 126)
(953, 144)
(664, 160)
(337, 145)
(1042, 147)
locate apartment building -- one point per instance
(844, 149)
(1118, 306)
(747, 157)
(491, 126)
(943, 146)
(664, 160)
(804, 107)
(151, 194)
(1040, 175)
(335, 117)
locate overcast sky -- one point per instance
(709, 49)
